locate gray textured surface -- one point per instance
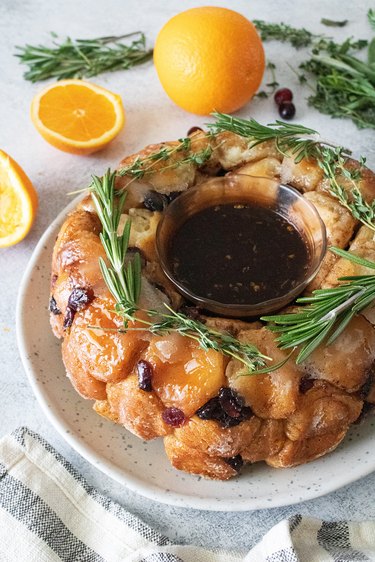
(151, 117)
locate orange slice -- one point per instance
(18, 202)
(77, 116)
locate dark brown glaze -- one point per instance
(238, 253)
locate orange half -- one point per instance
(77, 116)
(18, 202)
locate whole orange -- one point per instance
(209, 59)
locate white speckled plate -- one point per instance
(143, 466)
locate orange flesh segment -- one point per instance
(76, 112)
(18, 202)
(11, 212)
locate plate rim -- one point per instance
(150, 491)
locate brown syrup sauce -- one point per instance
(238, 253)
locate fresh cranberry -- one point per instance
(145, 372)
(287, 110)
(282, 95)
(174, 417)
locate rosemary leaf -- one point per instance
(341, 326)
(371, 17)
(333, 23)
(314, 343)
(353, 258)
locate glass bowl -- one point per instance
(241, 188)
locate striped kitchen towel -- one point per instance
(49, 513)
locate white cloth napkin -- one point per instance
(49, 513)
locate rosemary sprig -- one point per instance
(83, 57)
(287, 136)
(123, 280)
(325, 313)
(301, 142)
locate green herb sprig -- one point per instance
(83, 57)
(123, 280)
(284, 33)
(145, 166)
(371, 17)
(290, 138)
(333, 164)
(343, 85)
(301, 37)
(325, 313)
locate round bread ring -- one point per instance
(295, 414)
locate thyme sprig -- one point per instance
(284, 33)
(272, 85)
(141, 167)
(83, 57)
(333, 164)
(325, 313)
(300, 142)
(123, 279)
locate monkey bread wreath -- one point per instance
(212, 421)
